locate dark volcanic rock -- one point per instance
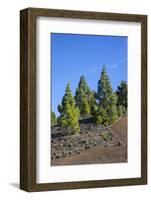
(64, 143)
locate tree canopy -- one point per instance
(69, 113)
(84, 97)
(107, 100)
(104, 105)
(121, 93)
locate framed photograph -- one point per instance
(83, 99)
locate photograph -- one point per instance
(88, 99)
(83, 99)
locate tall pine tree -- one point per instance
(104, 90)
(84, 97)
(69, 113)
(107, 99)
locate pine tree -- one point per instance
(122, 98)
(84, 97)
(121, 110)
(69, 113)
(111, 110)
(53, 119)
(107, 99)
(122, 94)
(85, 108)
(83, 85)
(82, 102)
(92, 100)
(104, 91)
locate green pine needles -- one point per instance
(69, 112)
(107, 100)
(104, 106)
(84, 97)
(53, 119)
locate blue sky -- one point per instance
(73, 55)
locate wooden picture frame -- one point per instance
(28, 98)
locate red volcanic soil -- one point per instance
(114, 151)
